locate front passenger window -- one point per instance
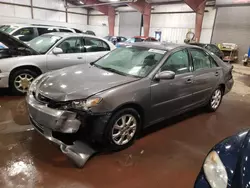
(177, 62)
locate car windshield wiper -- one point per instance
(111, 70)
(114, 70)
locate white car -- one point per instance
(54, 51)
(27, 32)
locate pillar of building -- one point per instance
(111, 21)
(199, 21)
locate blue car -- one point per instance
(228, 164)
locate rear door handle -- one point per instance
(217, 74)
(79, 57)
(189, 81)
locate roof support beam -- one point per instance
(195, 4)
(199, 7)
(199, 20)
(145, 9)
(108, 10)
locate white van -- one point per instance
(26, 32)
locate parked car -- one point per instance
(227, 164)
(212, 48)
(137, 39)
(88, 32)
(115, 39)
(54, 51)
(27, 32)
(112, 100)
(12, 47)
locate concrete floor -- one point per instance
(168, 155)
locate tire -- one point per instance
(215, 100)
(23, 77)
(128, 133)
(245, 63)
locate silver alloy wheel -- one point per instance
(22, 82)
(124, 129)
(216, 98)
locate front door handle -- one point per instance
(189, 81)
(79, 57)
(217, 74)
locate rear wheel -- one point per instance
(20, 81)
(122, 129)
(215, 100)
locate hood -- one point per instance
(241, 177)
(79, 82)
(233, 152)
(13, 46)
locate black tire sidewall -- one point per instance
(13, 77)
(209, 106)
(109, 143)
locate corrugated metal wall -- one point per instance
(174, 26)
(21, 14)
(232, 25)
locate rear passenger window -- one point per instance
(42, 31)
(95, 45)
(201, 60)
(177, 62)
(71, 45)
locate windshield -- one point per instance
(8, 28)
(43, 43)
(133, 61)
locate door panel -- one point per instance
(168, 97)
(205, 82)
(73, 54)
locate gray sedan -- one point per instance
(131, 88)
(53, 51)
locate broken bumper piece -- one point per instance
(46, 120)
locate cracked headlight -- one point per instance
(83, 104)
(215, 171)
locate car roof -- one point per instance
(67, 34)
(160, 45)
(33, 25)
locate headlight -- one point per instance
(83, 104)
(34, 83)
(215, 171)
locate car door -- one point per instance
(94, 49)
(72, 54)
(206, 74)
(168, 97)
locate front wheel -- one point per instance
(20, 81)
(122, 129)
(215, 100)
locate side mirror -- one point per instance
(165, 75)
(57, 51)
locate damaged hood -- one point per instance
(79, 82)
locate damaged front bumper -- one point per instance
(47, 120)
